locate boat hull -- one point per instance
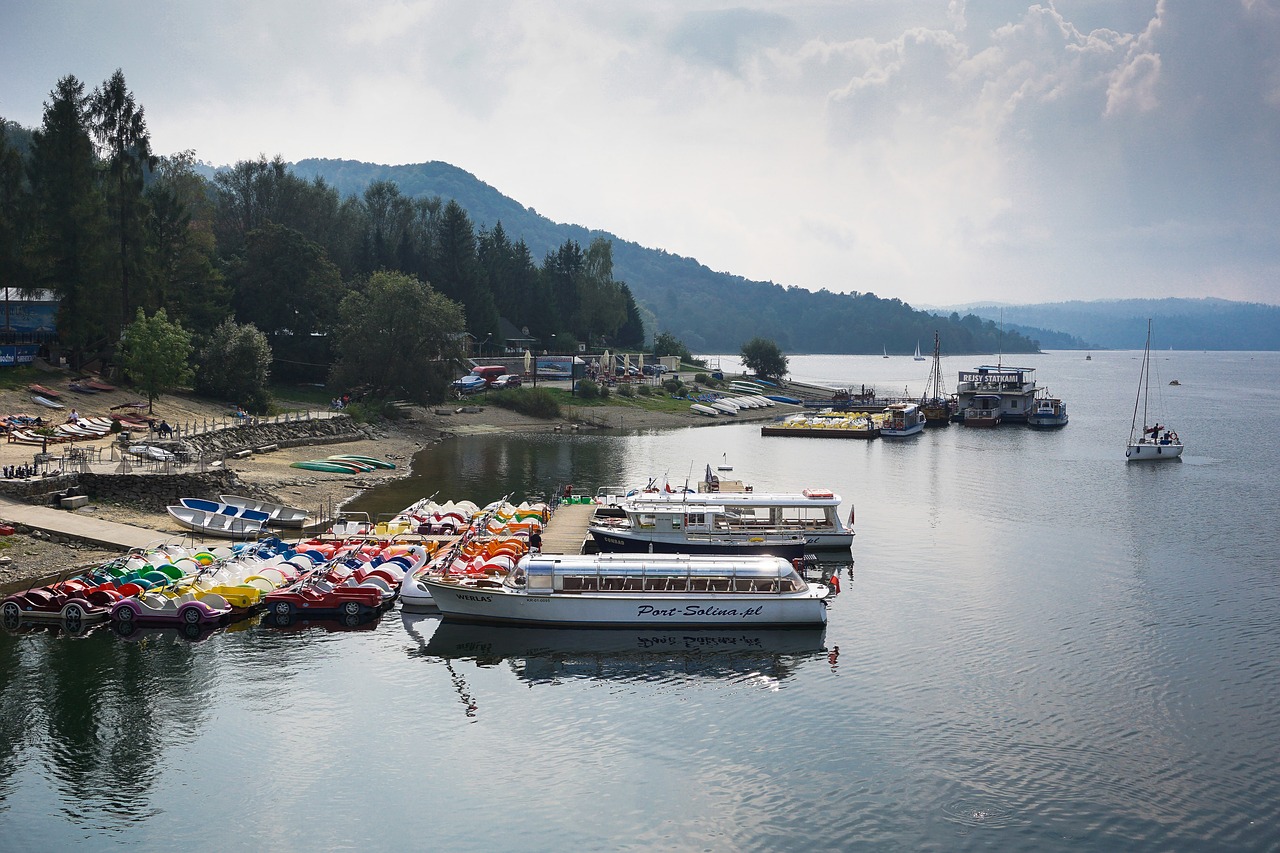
(1147, 452)
(588, 610)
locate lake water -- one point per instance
(1039, 647)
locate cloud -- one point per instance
(1088, 147)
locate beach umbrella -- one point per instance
(606, 367)
(640, 363)
(626, 362)
(528, 358)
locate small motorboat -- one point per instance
(704, 410)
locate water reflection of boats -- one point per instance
(333, 623)
(540, 654)
(191, 632)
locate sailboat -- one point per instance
(886, 352)
(917, 356)
(1153, 442)
(934, 402)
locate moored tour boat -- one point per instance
(656, 590)
(725, 522)
(1049, 413)
(904, 419)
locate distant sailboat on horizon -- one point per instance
(886, 352)
(917, 356)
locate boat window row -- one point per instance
(620, 583)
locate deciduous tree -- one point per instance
(398, 336)
(763, 358)
(153, 353)
(236, 365)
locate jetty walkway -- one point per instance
(566, 532)
(82, 528)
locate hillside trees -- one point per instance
(120, 128)
(182, 244)
(398, 336)
(68, 252)
(14, 215)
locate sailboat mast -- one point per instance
(1142, 388)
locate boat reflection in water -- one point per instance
(552, 654)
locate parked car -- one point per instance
(654, 370)
(470, 384)
(507, 380)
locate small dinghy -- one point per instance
(277, 514)
(216, 524)
(46, 402)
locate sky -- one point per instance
(941, 152)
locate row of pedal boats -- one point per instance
(176, 585)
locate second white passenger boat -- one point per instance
(656, 590)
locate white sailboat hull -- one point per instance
(1148, 452)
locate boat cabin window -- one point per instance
(540, 576)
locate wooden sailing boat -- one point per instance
(1154, 442)
(934, 401)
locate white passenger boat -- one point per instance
(656, 590)
(1049, 413)
(704, 410)
(904, 419)
(725, 522)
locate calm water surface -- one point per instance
(1039, 647)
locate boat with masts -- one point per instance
(653, 590)
(1152, 442)
(934, 402)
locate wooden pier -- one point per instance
(566, 533)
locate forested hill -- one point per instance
(1183, 324)
(709, 311)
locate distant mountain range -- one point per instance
(709, 311)
(1183, 324)
(717, 312)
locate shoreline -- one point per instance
(34, 556)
